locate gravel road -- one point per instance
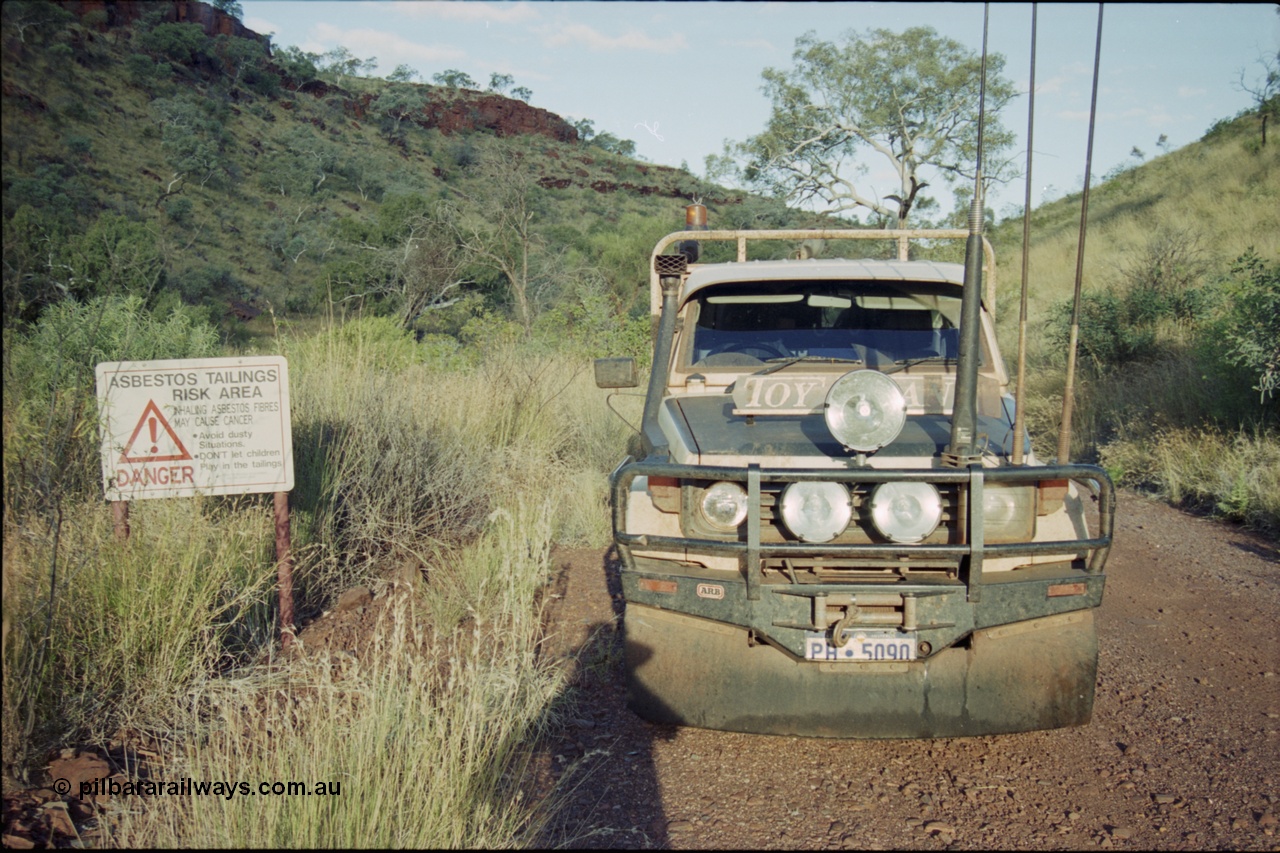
(1183, 752)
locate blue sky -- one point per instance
(680, 78)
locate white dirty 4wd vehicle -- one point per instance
(835, 529)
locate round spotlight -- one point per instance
(865, 410)
(906, 512)
(724, 505)
(816, 512)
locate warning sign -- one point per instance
(156, 425)
(213, 426)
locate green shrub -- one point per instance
(203, 283)
(179, 210)
(181, 43)
(50, 440)
(1161, 288)
(379, 340)
(1109, 335)
(115, 256)
(60, 353)
(1251, 326)
(143, 71)
(74, 108)
(78, 144)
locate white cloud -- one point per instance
(1191, 91)
(593, 39)
(1154, 115)
(1051, 86)
(749, 44)
(498, 13)
(389, 48)
(261, 25)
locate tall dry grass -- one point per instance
(102, 634)
(428, 738)
(1235, 475)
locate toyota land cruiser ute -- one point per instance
(806, 546)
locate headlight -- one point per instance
(724, 505)
(865, 410)
(1008, 513)
(906, 512)
(816, 512)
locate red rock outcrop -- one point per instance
(503, 116)
(123, 12)
(465, 110)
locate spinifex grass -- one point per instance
(399, 453)
(1236, 475)
(101, 634)
(468, 470)
(427, 735)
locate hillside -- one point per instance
(172, 152)
(1217, 197)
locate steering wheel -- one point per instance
(749, 348)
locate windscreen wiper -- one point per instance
(904, 363)
(821, 359)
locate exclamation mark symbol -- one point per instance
(151, 423)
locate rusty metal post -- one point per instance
(120, 519)
(284, 568)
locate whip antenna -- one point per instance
(1068, 393)
(964, 411)
(1020, 417)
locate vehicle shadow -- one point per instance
(601, 758)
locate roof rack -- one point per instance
(662, 266)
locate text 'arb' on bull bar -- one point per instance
(838, 526)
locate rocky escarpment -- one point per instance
(449, 110)
(462, 110)
(504, 116)
(121, 13)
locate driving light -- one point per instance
(906, 512)
(724, 505)
(816, 512)
(1008, 513)
(865, 410)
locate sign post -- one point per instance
(209, 426)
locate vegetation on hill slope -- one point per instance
(1179, 322)
(149, 156)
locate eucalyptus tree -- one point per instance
(908, 100)
(454, 79)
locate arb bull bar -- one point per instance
(1008, 651)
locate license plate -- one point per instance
(861, 646)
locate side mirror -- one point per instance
(616, 373)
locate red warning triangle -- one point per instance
(151, 423)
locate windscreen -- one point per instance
(876, 322)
